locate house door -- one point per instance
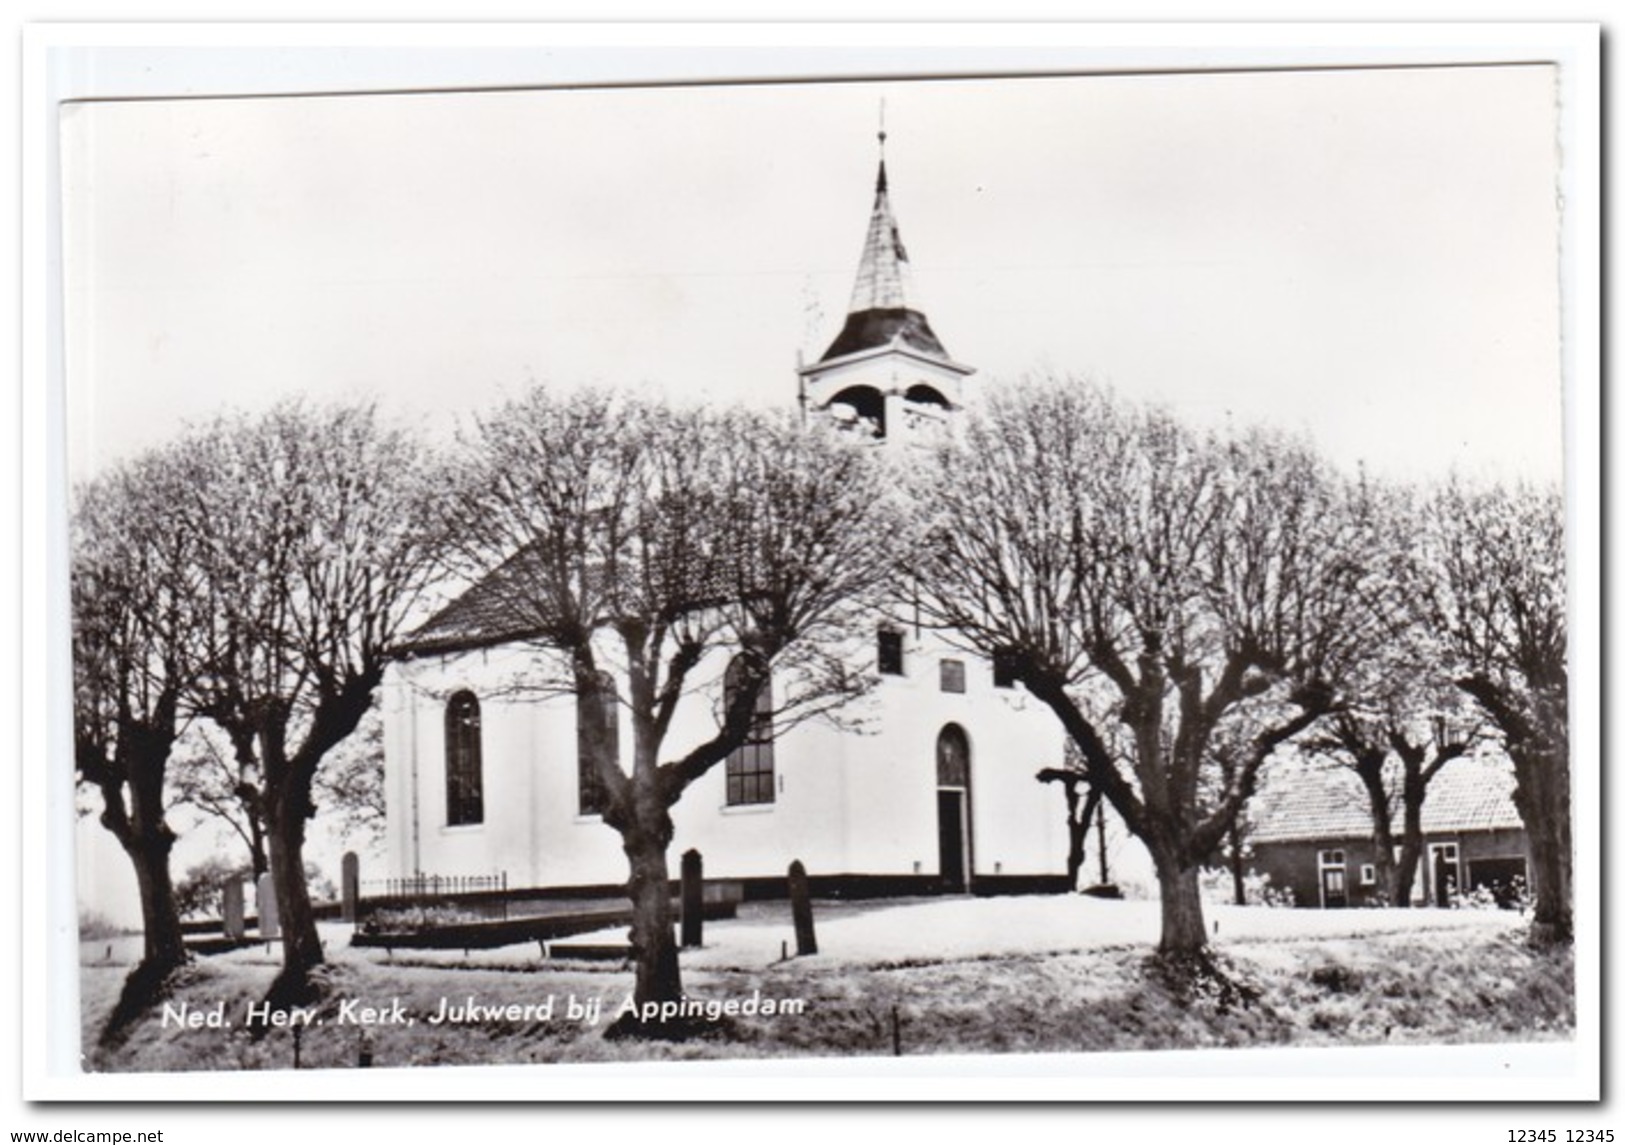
(1334, 889)
(1334, 886)
(1446, 876)
(953, 809)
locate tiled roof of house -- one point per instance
(1317, 800)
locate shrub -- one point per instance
(1335, 979)
(416, 919)
(1510, 895)
(1218, 889)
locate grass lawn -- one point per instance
(1067, 974)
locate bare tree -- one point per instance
(315, 547)
(1405, 720)
(223, 785)
(350, 783)
(1135, 574)
(135, 597)
(1490, 575)
(658, 541)
(1228, 756)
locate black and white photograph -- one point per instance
(1067, 568)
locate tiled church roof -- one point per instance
(508, 604)
(1307, 801)
(485, 615)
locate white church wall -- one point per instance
(846, 802)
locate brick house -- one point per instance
(1312, 835)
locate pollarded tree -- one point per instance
(658, 541)
(1490, 576)
(1405, 721)
(316, 542)
(135, 599)
(1133, 573)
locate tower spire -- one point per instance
(884, 280)
(883, 306)
(880, 181)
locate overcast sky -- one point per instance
(1367, 256)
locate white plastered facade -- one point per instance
(854, 798)
(857, 799)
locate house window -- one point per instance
(1004, 668)
(750, 766)
(953, 675)
(1331, 858)
(889, 652)
(1368, 875)
(465, 801)
(603, 717)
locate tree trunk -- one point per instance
(256, 848)
(285, 816)
(654, 945)
(163, 947)
(1542, 796)
(1537, 740)
(1077, 824)
(1184, 932)
(1238, 870)
(1410, 857)
(147, 840)
(1410, 849)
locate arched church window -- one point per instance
(867, 406)
(750, 765)
(922, 394)
(953, 757)
(601, 716)
(465, 799)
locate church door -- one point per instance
(953, 809)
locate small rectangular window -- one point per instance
(1368, 875)
(953, 675)
(889, 652)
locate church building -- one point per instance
(936, 794)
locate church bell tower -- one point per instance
(886, 375)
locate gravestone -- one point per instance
(231, 910)
(350, 884)
(265, 903)
(801, 910)
(693, 897)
